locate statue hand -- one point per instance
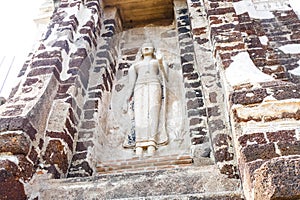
(159, 57)
(125, 107)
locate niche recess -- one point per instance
(137, 13)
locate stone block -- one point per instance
(55, 155)
(223, 154)
(18, 123)
(215, 125)
(282, 135)
(221, 140)
(186, 183)
(289, 148)
(83, 146)
(55, 62)
(63, 44)
(15, 143)
(256, 151)
(278, 179)
(230, 170)
(12, 188)
(253, 138)
(195, 103)
(62, 135)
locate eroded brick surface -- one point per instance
(248, 129)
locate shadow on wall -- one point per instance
(2, 100)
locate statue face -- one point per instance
(147, 49)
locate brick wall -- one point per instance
(246, 125)
(255, 106)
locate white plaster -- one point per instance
(9, 132)
(247, 6)
(267, 109)
(64, 73)
(277, 150)
(243, 70)
(273, 126)
(290, 48)
(264, 40)
(295, 4)
(297, 133)
(270, 98)
(11, 158)
(250, 94)
(201, 20)
(251, 143)
(296, 71)
(271, 5)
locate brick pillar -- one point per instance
(99, 90)
(38, 124)
(212, 87)
(196, 109)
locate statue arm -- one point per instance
(132, 76)
(162, 66)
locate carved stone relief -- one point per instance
(130, 116)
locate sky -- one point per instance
(17, 36)
(19, 33)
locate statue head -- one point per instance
(147, 49)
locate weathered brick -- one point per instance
(70, 127)
(81, 52)
(249, 97)
(221, 11)
(258, 151)
(188, 68)
(215, 125)
(253, 138)
(195, 121)
(278, 179)
(18, 123)
(223, 154)
(289, 148)
(199, 140)
(11, 188)
(230, 170)
(85, 166)
(91, 104)
(63, 44)
(198, 131)
(44, 71)
(213, 111)
(89, 114)
(55, 155)
(213, 97)
(194, 104)
(191, 76)
(83, 146)
(48, 62)
(221, 139)
(14, 143)
(79, 156)
(187, 58)
(282, 135)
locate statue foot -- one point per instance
(139, 151)
(151, 150)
